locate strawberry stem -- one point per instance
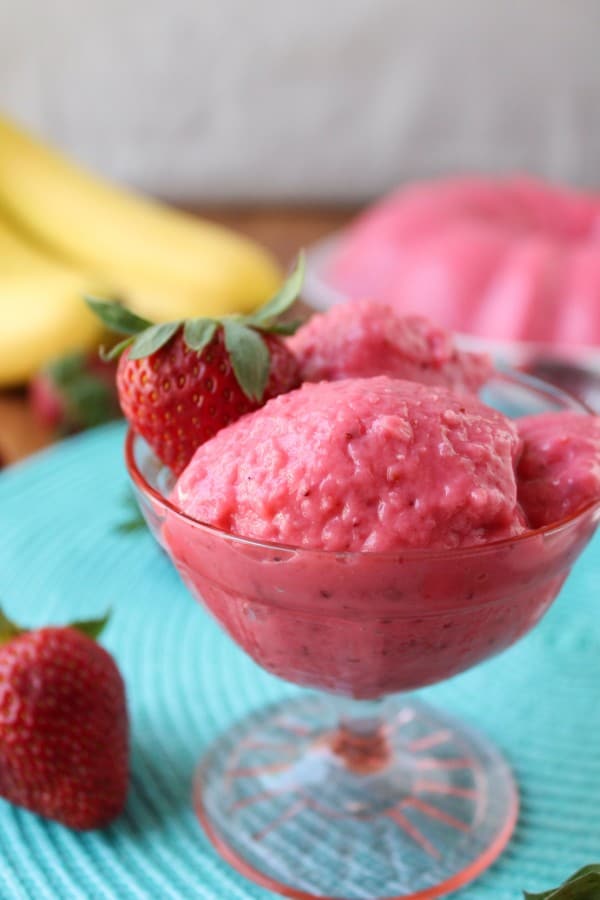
(8, 629)
(147, 337)
(116, 317)
(243, 335)
(90, 627)
(109, 355)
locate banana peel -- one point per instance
(163, 263)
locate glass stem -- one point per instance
(360, 740)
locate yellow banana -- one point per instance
(42, 314)
(165, 263)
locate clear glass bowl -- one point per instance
(362, 791)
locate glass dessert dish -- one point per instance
(361, 790)
(321, 293)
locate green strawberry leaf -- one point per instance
(583, 885)
(284, 298)
(128, 526)
(152, 339)
(116, 317)
(145, 338)
(285, 328)
(8, 629)
(593, 868)
(134, 520)
(64, 369)
(88, 398)
(250, 358)
(91, 627)
(109, 355)
(198, 333)
(89, 402)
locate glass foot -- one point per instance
(409, 804)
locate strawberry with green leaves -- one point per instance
(181, 382)
(74, 392)
(63, 724)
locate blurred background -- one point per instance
(277, 101)
(281, 121)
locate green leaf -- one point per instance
(583, 885)
(90, 401)
(87, 396)
(116, 317)
(129, 526)
(285, 328)
(250, 358)
(286, 295)
(134, 520)
(8, 629)
(91, 627)
(198, 333)
(593, 868)
(109, 355)
(64, 369)
(152, 339)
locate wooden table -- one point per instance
(283, 230)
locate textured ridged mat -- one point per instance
(62, 556)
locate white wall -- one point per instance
(248, 99)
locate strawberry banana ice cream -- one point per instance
(360, 465)
(371, 464)
(367, 337)
(559, 469)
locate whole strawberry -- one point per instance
(63, 724)
(181, 382)
(74, 392)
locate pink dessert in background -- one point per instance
(559, 469)
(367, 337)
(371, 464)
(507, 259)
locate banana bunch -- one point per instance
(65, 233)
(42, 314)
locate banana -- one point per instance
(42, 314)
(165, 264)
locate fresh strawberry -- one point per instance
(180, 382)
(74, 392)
(177, 398)
(63, 724)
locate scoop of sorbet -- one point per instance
(362, 464)
(559, 470)
(366, 337)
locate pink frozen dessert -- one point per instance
(367, 337)
(337, 468)
(559, 470)
(511, 258)
(360, 465)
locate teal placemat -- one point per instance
(61, 556)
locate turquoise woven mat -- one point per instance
(60, 556)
